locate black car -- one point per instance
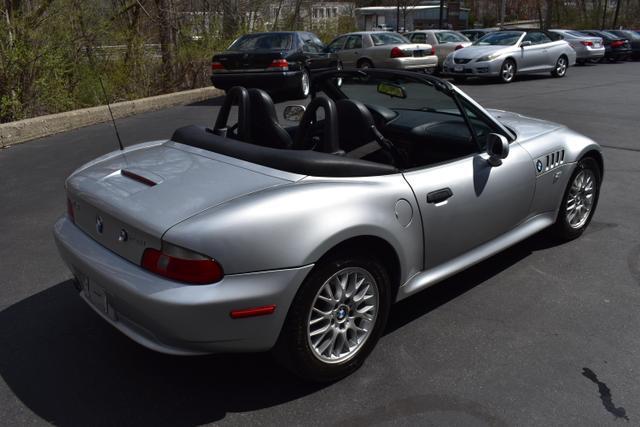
(475, 34)
(634, 39)
(275, 62)
(616, 48)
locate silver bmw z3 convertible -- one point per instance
(250, 236)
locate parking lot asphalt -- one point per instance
(540, 334)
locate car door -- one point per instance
(316, 57)
(352, 50)
(465, 202)
(534, 56)
(550, 50)
(336, 46)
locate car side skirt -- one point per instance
(430, 277)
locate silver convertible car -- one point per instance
(504, 54)
(248, 236)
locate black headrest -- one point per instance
(354, 124)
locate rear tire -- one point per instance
(365, 63)
(303, 85)
(579, 201)
(581, 61)
(508, 71)
(560, 69)
(306, 332)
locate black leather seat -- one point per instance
(265, 129)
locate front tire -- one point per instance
(560, 70)
(579, 201)
(508, 71)
(365, 63)
(335, 319)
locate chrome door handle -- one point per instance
(439, 196)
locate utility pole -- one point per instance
(441, 13)
(503, 7)
(398, 16)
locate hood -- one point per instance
(525, 127)
(155, 187)
(473, 52)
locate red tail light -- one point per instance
(71, 211)
(433, 50)
(281, 64)
(617, 43)
(587, 43)
(459, 47)
(396, 52)
(182, 265)
(215, 65)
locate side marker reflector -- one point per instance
(252, 312)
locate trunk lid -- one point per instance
(147, 191)
(252, 60)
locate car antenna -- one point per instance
(106, 98)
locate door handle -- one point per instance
(439, 196)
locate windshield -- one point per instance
(380, 39)
(398, 94)
(448, 36)
(502, 38)
(269, 41)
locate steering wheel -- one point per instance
(330, 128)
(239, 96)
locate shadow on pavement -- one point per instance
(410, 309)
(71, 368)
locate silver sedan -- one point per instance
(504, 54)
(587, 47)
(243, 238)
(367, 49)
(444, 41)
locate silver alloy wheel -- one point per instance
(305, 83)
(343, 315)
(561, 66)
(507, 71)
(580, 199)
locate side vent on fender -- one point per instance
(550, 161)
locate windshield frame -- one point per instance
(493, 34)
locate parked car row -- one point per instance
(285, 61)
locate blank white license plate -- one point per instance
(95, 294)
(596, 44)
(458, 68)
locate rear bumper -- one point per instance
(410, 63)
(589, 53)
(175, 318)
(276, 80)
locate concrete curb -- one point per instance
(38, 127)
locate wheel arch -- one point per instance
(597, 156)
(374, 246)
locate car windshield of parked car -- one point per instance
(450, 37)
(380, 39)
(505, 38)
(273, 41)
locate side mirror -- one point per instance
(497, 148)
(525, 43)
(293, 113)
